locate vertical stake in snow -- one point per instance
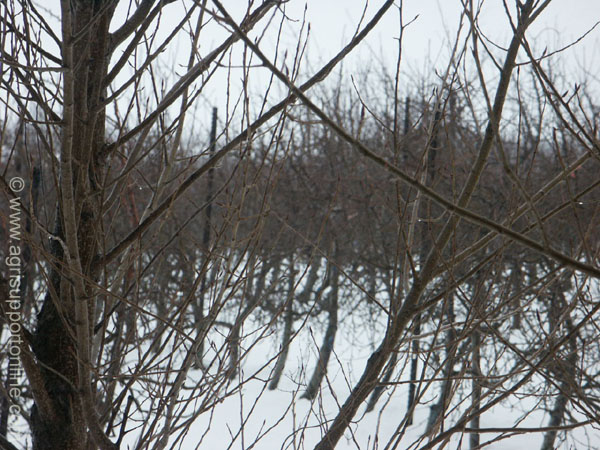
(206, 232)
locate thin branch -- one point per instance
(244, 135)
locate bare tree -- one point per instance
(155, 246)
(82, 92)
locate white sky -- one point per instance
(562, 21)
(426, 42)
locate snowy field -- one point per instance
(257, 418)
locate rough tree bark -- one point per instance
(62, 414)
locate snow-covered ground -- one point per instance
(257, 418)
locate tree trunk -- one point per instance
(556, 417)
(414, 365)
(386, 379)
(61, 342)
(438, 410)
(476, 389)
(199, 305)
(562, 370)
(255, 291)
(287, 331)
(429, 177)
(327, 347)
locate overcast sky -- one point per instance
(562, 22)
(426, 41)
